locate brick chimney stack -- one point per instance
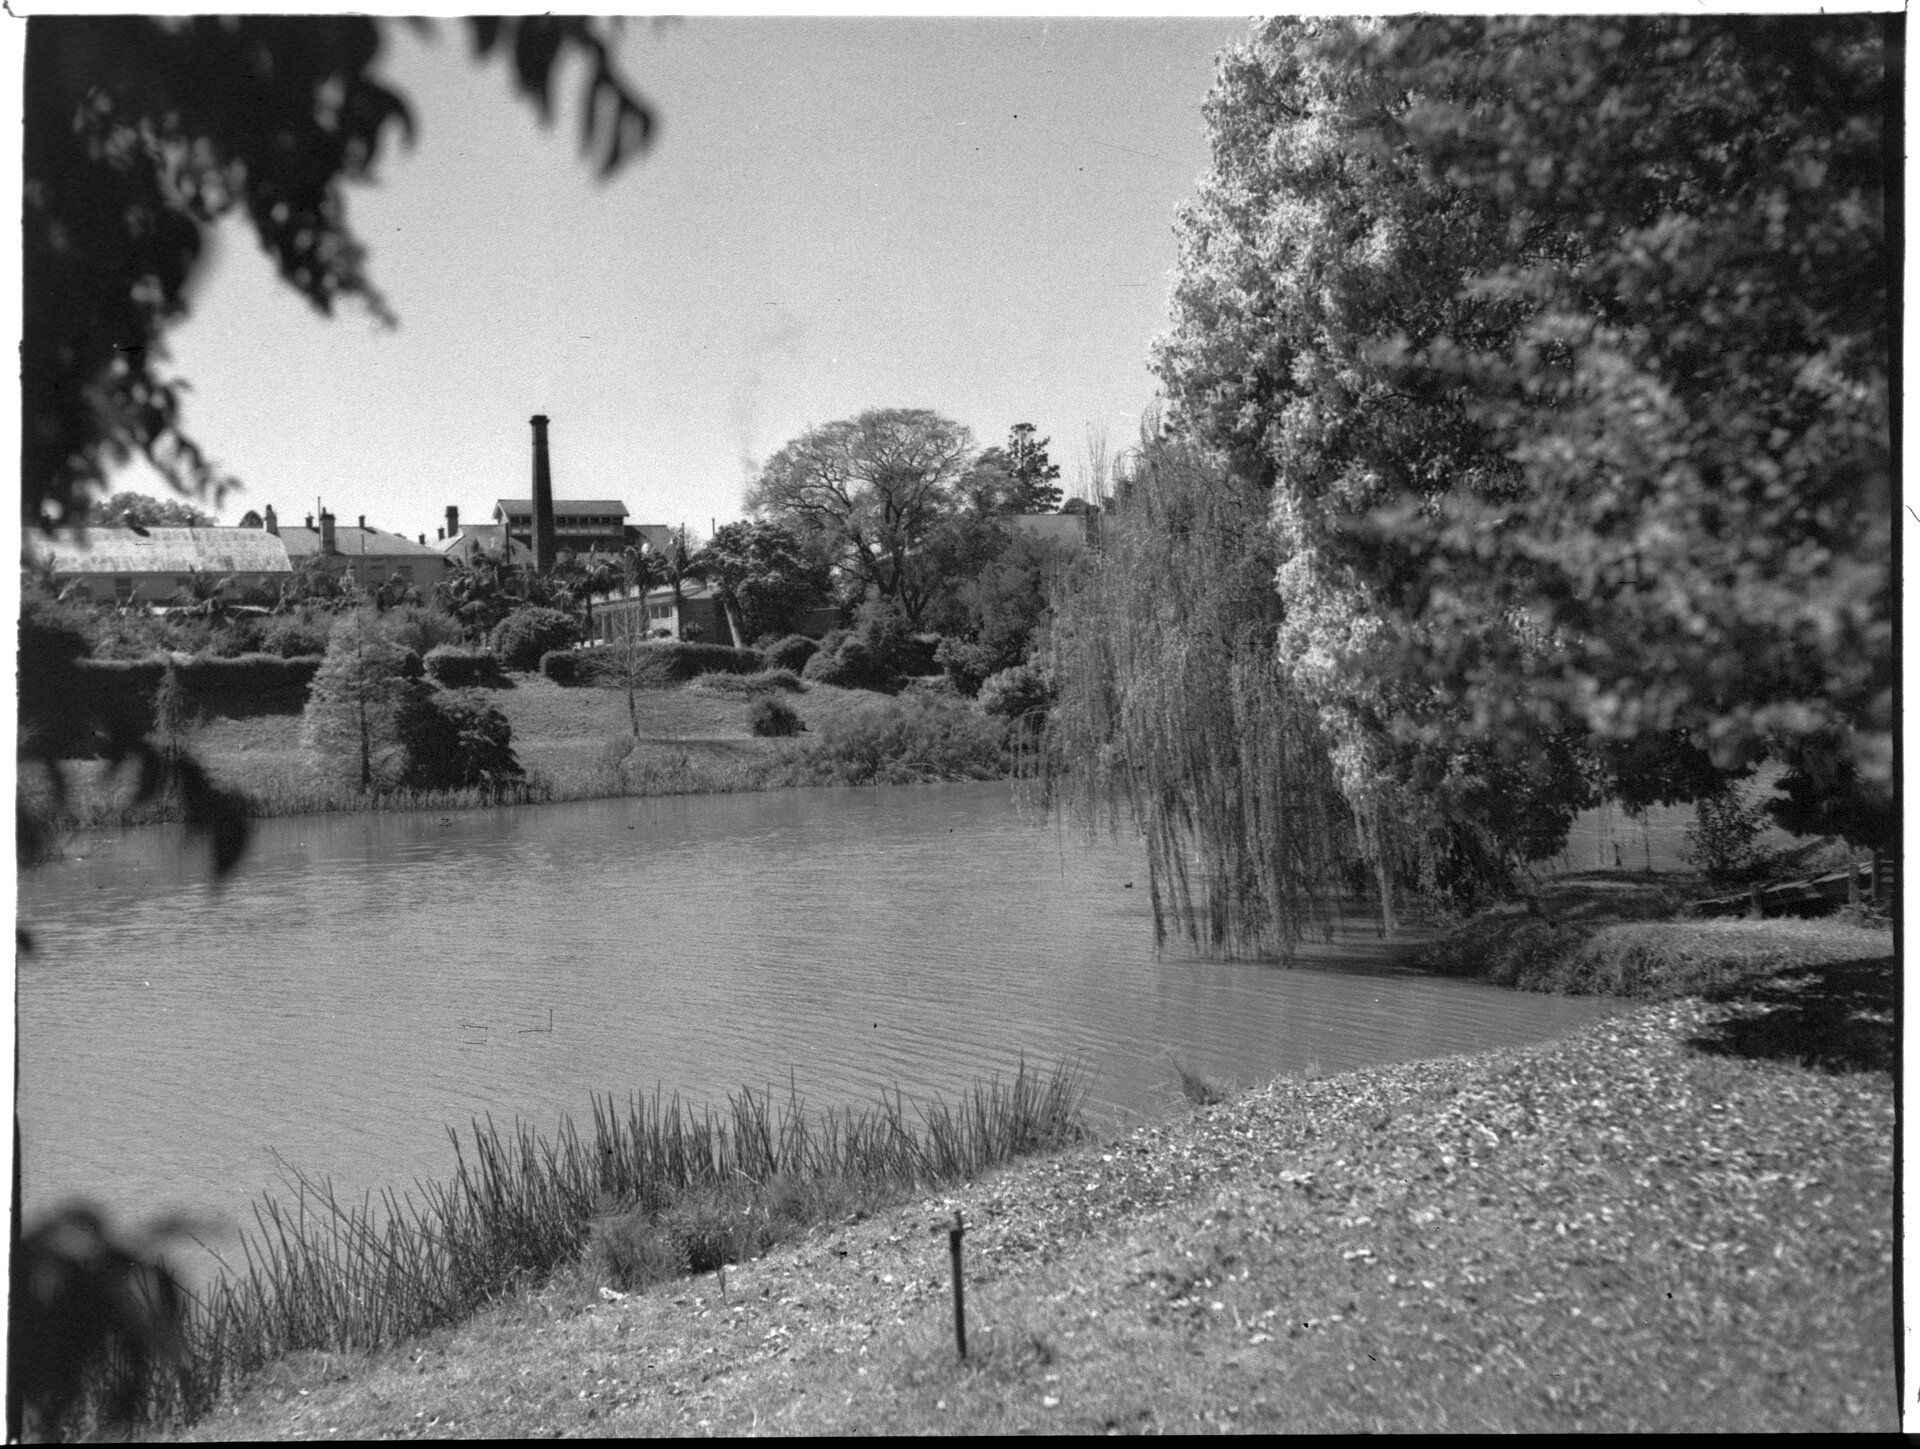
(544, 552)
(271, 521)
(327, 544)
(453, 522)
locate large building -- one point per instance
(581, 526)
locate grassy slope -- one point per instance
(568, 739)
(1663, 1222)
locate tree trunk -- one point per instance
(366, 749)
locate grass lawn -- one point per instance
(575, 744)
(1668, 1221)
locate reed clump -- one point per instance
(658, 1189)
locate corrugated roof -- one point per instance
(566, 506)
(164, 551)
(351, 542)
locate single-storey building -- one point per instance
(143, 565)
(372, 556)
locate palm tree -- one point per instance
(598, 575)
(681, 565)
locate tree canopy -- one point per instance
(765, 574)
(871, 493)
(1563, 346)
(142, 132)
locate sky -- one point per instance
(974, 216)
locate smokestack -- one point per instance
(271, 521)
(453, 522)
(543, 544)
(326, 534)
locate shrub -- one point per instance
(904, 742)
(294, 637)
(851, 664)
(455, 741)
(458, 667)
(422, 629)
(792, 652)
(1017, 693)
(1721, 843)
(749, 684)
(773, 718)
(525, 635)
(562, 666)
(657, 665)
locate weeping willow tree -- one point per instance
(1172, 706)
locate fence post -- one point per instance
(959, 1291)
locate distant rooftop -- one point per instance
(163, 551)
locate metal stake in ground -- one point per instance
(959, 1291)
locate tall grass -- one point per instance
(659, 1188)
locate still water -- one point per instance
(366, 980)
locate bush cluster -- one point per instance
(525, 635)
(907, 741)
(458, 667)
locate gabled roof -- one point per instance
(483, 538)
(350, 542)
(164, 551)
(565, 507)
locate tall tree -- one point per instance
(1033, 473)
(1563, 347)
(142, 132)
(871, 492)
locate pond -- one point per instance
(366, 980)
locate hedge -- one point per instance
(562, 666)
(458, 668)
(667, 662)
(123, 690)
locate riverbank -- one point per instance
(1665, 1221)
(580, 744)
